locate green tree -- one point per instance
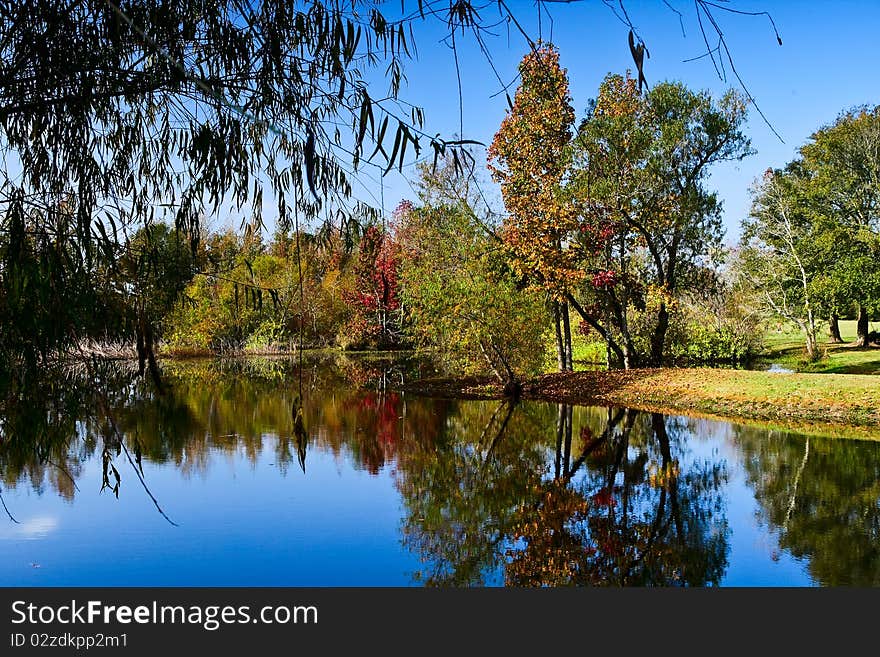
(462, 303)
(240, 298)
(462, 489)
(158, 263)
(779, 251)
(641, 167)
(843, 161)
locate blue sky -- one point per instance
(824, 66)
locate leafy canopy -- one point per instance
(528, 157)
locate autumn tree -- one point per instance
(641, 166)
(608, 150)
(528, 157)
(375, 298)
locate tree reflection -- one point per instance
(242, 405)
(526, 494)
(463, 489)
(47, 431)
(822, 495)
(627, 509)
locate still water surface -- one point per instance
(390, 489)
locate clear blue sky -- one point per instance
(824, 65)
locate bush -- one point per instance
(269, 336)
(462, 302)
(714, 344)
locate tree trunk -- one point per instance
(812, 341)
(658, 339)
(560, 342)
(862, 327)
(606, 335)
(566, 336)
(834, 329)
(812, 350)
(630, 356)
(630, 353)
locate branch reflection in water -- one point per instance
(450, 493)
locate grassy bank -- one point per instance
(785, 347)
(794, 401)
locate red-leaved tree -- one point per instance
(375, 299)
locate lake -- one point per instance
(212, 484)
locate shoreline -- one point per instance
(797, 402)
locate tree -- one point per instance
(641, 164)
(846, 276)
(159, 264)
(463, 303)
(120, 113)
(814, 233)
(217, 313)
(778, 251)
(528, 158)
(608, 150)
(246, 296)
(376, 294)
(843, 161)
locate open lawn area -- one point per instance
(786, 348)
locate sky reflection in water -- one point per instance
(400, 490)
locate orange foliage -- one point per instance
(528, 157)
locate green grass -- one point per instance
(795, 401)
(786, 348)
(587, 353)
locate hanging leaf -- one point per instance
(310, 158)
(638, 52)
